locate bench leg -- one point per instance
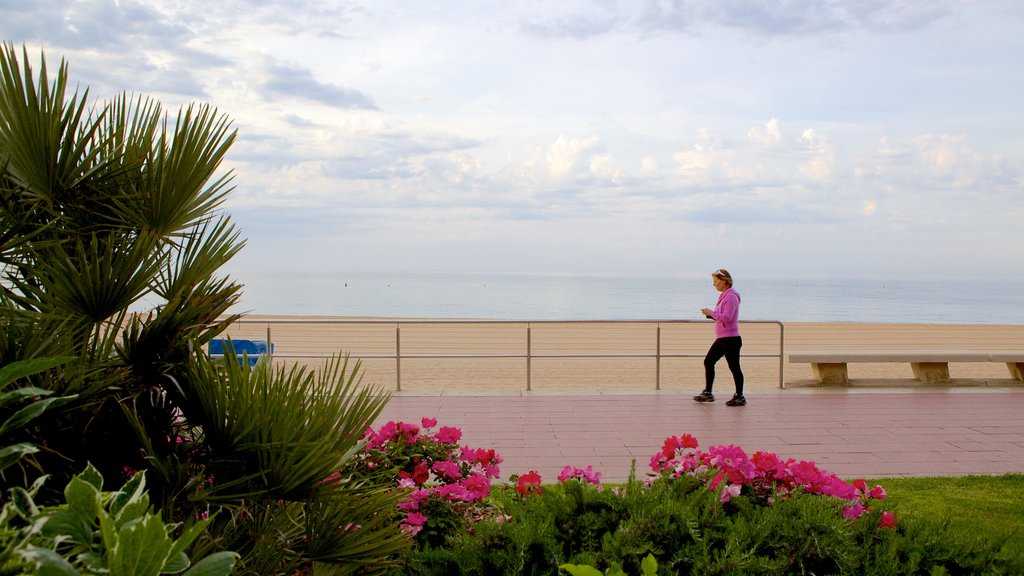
(831, 374)
(931, 372)
(1016, 370)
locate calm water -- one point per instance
(517, 297)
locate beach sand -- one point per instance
(566, 355)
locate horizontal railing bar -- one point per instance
(481, 321)
(523, 355)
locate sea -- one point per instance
(418, 294)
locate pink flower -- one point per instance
(478, 485)
(888, 520)
(413, 523)
(733, 460)
(416, 519)
(853, 511)
(429, 422)
(454, 493)
(447, 469)
(410, 431)
(730, 491)
(769, 465)
(448, 435)
(529, 484)
(583, 474)
(878, 493)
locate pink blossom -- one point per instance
(832, 485)
(583, 474)
(429, 422)
(734, 461)
(453, 493)
(478, 486)
(888, 520)
(529, 484)
(853, 511)
(730, 491)
(447, 469)
(410, 431)
(448, 435)
(413, 523)
(878, 493)
(769, 465)
(410, 529)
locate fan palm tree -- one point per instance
(102, 208)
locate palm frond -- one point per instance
(295, 428)
(179, 171)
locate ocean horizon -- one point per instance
(576, 297)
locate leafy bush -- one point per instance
(113, 533)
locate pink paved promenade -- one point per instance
(866, 434)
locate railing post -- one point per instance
(398, 357)
(657, 361)
(270, 346)
(782, 355)
(529, 363)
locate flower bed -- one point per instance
(714, 511)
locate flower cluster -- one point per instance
(586, 475)
(443, 478)
(763, 475)
(529, 484)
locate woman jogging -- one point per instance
(727, 339)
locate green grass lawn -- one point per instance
(989, 506)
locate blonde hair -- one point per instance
(723, 274)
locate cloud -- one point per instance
(292, 81)
(770, 135)
(563, 155)
(760, 17)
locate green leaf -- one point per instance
(24, 368)
(66, 525)
(92, 476)
(649, 565)
(31, 412)
(11, 454)
(8, 398)
(177, 562)
(23, 502)
(49, 563)
(219, 564)
(83, 498)
(141, 549)
(186, 539)
(580, 570)
(131, 501)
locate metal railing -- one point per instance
(657, 354)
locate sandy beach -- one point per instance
(490, 358)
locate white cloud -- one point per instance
(770, 135)
(563, 155)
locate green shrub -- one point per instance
(98, 532)
(686, 529)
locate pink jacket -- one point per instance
(727, 314)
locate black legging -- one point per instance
(730, 348)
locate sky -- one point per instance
(867, 138)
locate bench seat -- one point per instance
(930, 366)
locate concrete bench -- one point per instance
(929, 366)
